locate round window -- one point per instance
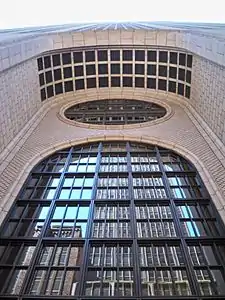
(115, 112)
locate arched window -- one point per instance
(113, 219)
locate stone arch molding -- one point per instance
(167, 116)
(204, 174)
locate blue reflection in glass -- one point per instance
(50, 193)
(91, 168)
(83, 212)
(59, 212)
(78, 182)
(72, 168)
(54, 182)
(65, 193)
(84, 160)
(71, 212)
(68, 182)
(81, 168)
(86, 194)
(43, 212)
(89, 182)
(75, 194)
(92, 160)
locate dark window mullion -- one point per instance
(31, 268)
(219, 254)
(190, 271)
(86, 247)
(7, 282)
(49, 270)
(170, 267)
(133, 224)
(117, 271)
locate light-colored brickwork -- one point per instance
(19, 99)
(16, 50)
(208, 94)
(178, 133)
(193, 135)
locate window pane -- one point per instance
(88, 182)
(71, 212)
(86, 194)
(75, 194)
(59, 212)
(71, 283)
(83, 212)
(68, 182)
(37, 282)
(16, 281)
(78, 182)
(81, 229)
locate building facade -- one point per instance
(112, 161)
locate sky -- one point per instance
(23, 13)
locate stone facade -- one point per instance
(30, 130)
(20, 99)
(208, 94)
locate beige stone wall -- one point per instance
(208, 94)
(14, 52)
(19, 99)
(188, 133)
(177, 132)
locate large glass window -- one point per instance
(113, 219)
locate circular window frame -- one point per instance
(62, 116)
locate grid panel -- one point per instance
(138, 68)
(123, 219)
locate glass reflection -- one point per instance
(71, 212)
(16, 281)
(104, 283)
(165, 283)
(54, 182)
(81, 229)
(93, 160)
(111, 256)
(81, 168)
(75, 194)
(161, 257)
(83, 212)
(72, 168)
(88, 182)
(68, 182)
(78, 182)
(188, 212)
(86, 194)
(18, 211)
(25, 257)
(65, 194)
(59, 212)
(43, 212)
